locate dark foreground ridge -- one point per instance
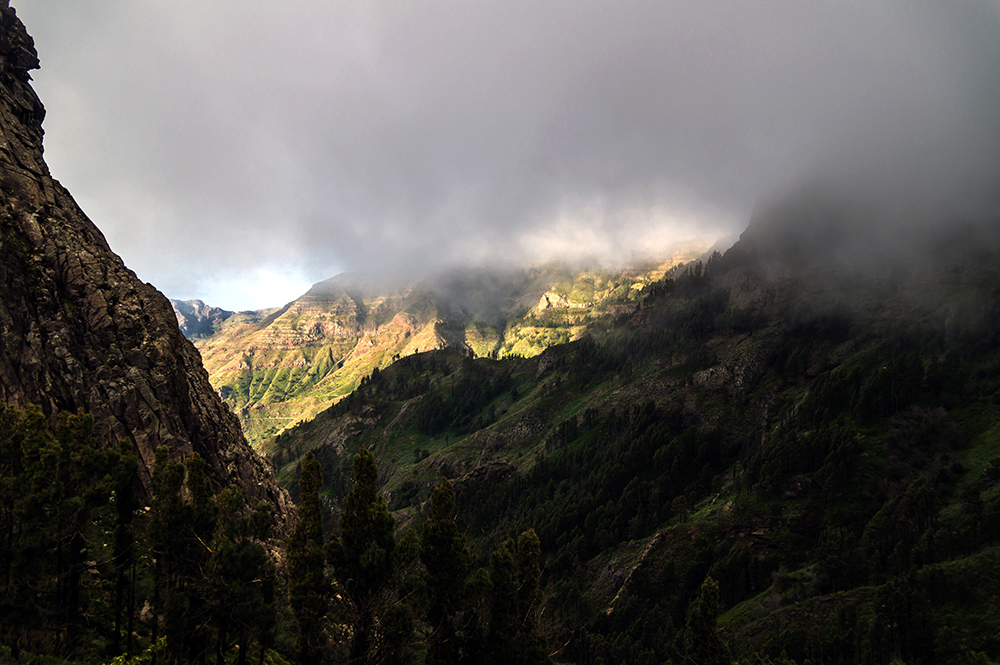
(78, 329)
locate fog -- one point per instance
(237, 152)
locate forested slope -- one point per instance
(818, 438)
(278, 367)
(773, 456)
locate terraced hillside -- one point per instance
(275, 368)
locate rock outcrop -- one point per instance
(196, 319)
(79, 330)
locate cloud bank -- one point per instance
(213, 141)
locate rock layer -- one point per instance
(78, 329)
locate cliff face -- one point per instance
(79, 330)
(196, 319)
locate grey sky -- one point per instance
(239, 151)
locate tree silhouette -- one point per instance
(701, 638)
(446, 559)
(307, 584)
(363, 555)
(513, 635)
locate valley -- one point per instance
(776, 452)
(275, 368)
(821, 443)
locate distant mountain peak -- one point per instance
(196, 319)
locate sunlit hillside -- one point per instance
(275, 368)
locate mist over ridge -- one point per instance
(414, 136)
(789, 448)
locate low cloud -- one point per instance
(211, 138)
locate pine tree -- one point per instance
(365, 561)
(29, 461)
(446, 560)
(125, 555)
(241, 576)
(513, 635)
(53, 487)
(181, 529)
(701, 638)
(80, 472)
(307, 584)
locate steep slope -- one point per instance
(814, 428)
(78, 330)
(278, 367)
(196, 319)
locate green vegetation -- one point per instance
(277, 370)
(831, 472)
(307, 589)
(57, 512)
(198, 562)
(82, 558)
(728, 470)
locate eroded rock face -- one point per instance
(196, 319)
(79, 330)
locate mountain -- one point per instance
(800, 439)
(788, 453)
(278, 367)
(79, 330)
(196, 319)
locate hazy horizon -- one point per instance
(240, 153)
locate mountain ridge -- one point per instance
(196, 319)
(277, 367)
(816, 439)
(79, 330)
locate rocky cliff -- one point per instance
(196, 319)
(79, 330)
